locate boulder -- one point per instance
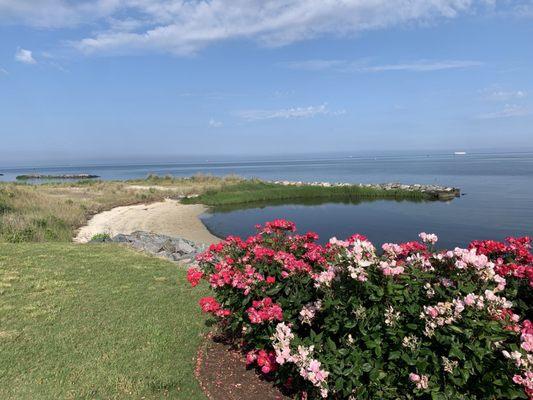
(172, 248)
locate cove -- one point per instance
(380, 220)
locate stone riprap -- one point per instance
(62, 176)
(172, 248)
(437, 192)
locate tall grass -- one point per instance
(51, 212)
(195, 184)
(37, 213)
(257, 191)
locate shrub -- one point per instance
(101, 237)
(345, 321)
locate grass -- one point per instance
(52, 212)
(192, 184)
(258, 191)
(95, 321)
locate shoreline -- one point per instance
(168, 217)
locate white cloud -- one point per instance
(508, 111)
(315, 65)
(185, 26)
(423, 66)
(362, 66)
(215, 124)
(24, 56)
(503, 95)
(3, 71)
(59, 13)
(288, 113)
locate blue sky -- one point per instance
(165, 78)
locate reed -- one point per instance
(257, 191)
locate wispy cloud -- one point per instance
(508, 111)
(288, 113)
(215, 124)
(423, 66)
(24, 56)
(3, 71)
(503, 95)
(363, 66)
(315, 65)
(183, 27)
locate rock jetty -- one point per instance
(63, 176)
(172, 248)
(435, 192)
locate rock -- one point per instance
(184, 247)
(172, 248)
(120, 238)
(433, 192)
(63, 176)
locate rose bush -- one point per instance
(346, 321)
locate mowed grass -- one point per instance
(257, 191)
(95, 322)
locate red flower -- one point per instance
(279, 225)
(264, 310)
(209, 304)
(194, 276)
(270, 280)
(267, 361)
(411, 247)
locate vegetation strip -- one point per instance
(63, 176)
(255, 191)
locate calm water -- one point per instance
(498, 198)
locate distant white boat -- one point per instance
(459, 153)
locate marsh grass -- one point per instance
(195, 184)
(95, 321)
(259, 191)
(52, 212)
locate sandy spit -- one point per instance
(168, 217)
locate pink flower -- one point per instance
(432, 312)
(470, 299)
(250, 357)
(527, 342)
(421, 381)
(429, 238)
(270, 280)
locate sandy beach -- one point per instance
(168, 217)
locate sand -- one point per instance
(168, 217)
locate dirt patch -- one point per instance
(223, 375)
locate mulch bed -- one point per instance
(223, 375)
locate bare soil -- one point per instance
(223, 374)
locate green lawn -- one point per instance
(95, 321)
